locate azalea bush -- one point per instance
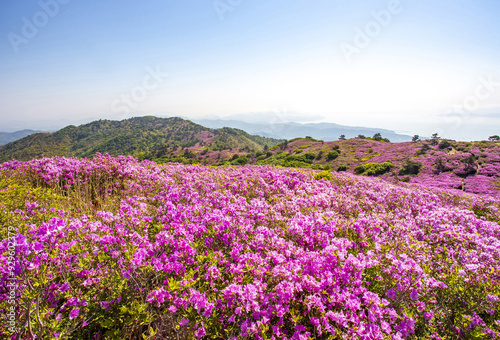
(113, 248)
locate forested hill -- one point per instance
(141, 137)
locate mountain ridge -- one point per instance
(140, 136)
(290, 130)
(7, 137)
(266, 124)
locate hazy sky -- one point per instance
(416, 66)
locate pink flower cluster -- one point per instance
(470, 167)
(257, 252)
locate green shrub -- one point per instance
(360, 169)
(299, 158)
(444, 144)
(332, 155)
(372, 169)
(342, 167)
(312, 139)
(424, 149)
(410, 168)
(240, 161)
(310, 155)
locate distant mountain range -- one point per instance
(143, 137)
(7, 137)
(289, 130)
(267, 124)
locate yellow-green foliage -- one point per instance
(323, 175)
(368, 157)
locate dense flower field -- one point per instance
(110, 248)
(472, 167)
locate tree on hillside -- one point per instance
(283, 145)
(342, 137)
(415, 138)
(494, 138)
(377, 136)
(434, 139)
(361, 137)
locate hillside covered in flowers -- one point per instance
(472, 167)
(113, 248)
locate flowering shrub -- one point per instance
(110, 248)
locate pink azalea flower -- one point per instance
(74, 313)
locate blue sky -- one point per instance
(414, 66)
